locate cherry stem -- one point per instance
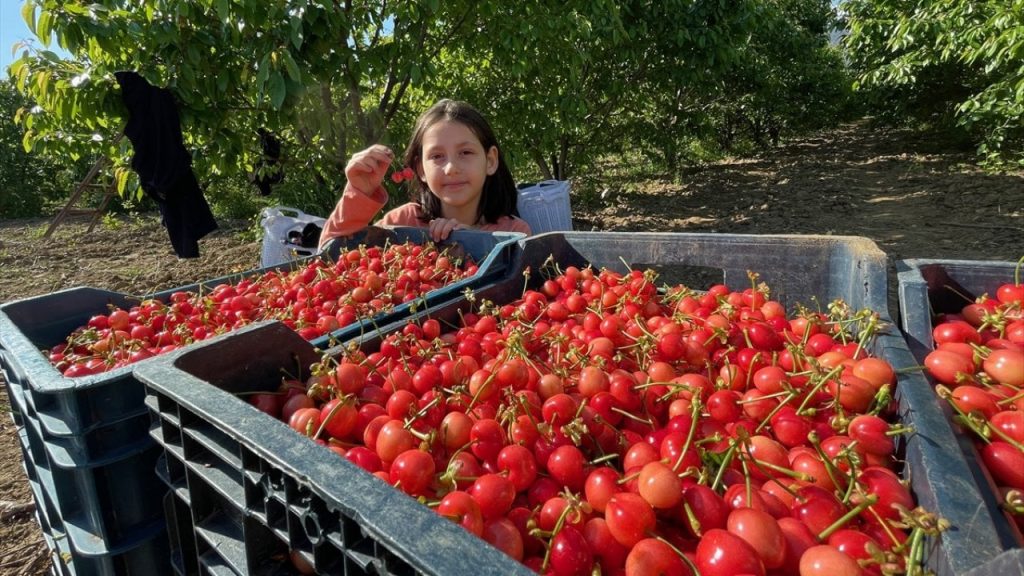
(603, 459)
(323, 423)
(869, 500)
(726, 460)
(422, 412)
(632, 416)
(1011, 399)
(781, 470)
(627, 478)
(691, 519)
(767, 419)
(899, 430)
(558, 528)
(695, 408)
(830, 467)
(968, 421)
(818, 385)
(683, 557)
(916, 556)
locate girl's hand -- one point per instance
(440, 228)
(365, 170)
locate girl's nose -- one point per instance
(450, 167)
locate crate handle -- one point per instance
(311, 524)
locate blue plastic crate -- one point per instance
(928, 288)
(492, 251)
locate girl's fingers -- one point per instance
(437, 232)
(441, 228)
(374, 158)
(366, 169)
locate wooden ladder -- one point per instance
(88, 183)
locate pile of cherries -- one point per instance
(314, 299)
(978, 365)
(600, 421)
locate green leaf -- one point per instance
(296, 35)
(189, 75)
(277, 90)
(223, 10)
(43, 81)
(121, 177)
(28, 14)
(291, 67)
(263, 71)
(43, 27)
(28, 140)
(15, 68)
(78, 9)
(23, 78)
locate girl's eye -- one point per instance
(435, 157)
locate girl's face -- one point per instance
(454, 166)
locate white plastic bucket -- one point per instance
(277, 222)
(545, 206)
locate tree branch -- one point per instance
(9, 509)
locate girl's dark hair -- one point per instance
(499, 194)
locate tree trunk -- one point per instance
(538, 159)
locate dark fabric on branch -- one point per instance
(163, 164)
(272, 173)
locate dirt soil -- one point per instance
(913, 195)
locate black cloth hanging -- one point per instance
(272, 173)
(163, 164)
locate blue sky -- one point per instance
(12, 29)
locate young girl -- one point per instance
(461, 180)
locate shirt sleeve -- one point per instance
(353, 212)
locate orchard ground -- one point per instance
(914, 195)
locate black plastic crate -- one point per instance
(79, 408)
(90, 434)
(124, 535)
(240, 457)
(931, 287)
(245, 489)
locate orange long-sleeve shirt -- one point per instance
(356, 209)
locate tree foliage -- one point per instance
(952, 62)
(564, 83)
(320, 74)
(27, 182)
